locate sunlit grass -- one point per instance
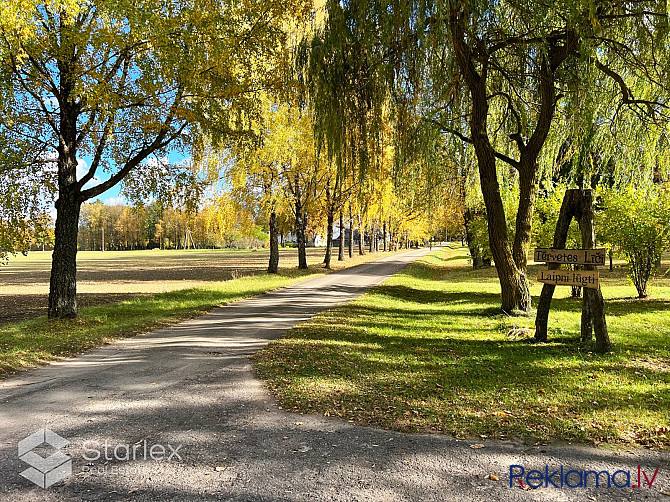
(428, 351)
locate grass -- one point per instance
(427, 351)
(114, 276)
(37, 341)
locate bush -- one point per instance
(637, 222)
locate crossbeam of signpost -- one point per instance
(571, 256)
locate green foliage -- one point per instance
(637, 222)
(118, 82)
(545, 217)
(477, 235)
(21, 203)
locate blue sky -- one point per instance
(113, 195)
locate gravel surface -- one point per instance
(191, 388)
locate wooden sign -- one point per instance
(583, 278)
(571, 256)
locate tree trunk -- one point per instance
(384, 236)
(371, 239)
(475, 251)
(524, 215)
(300, 225)
(273, 266)
(510, 263)
(63, 282)
(302, 242)
(329, 236)
(609, 254)
(361, 243)
(351, 233)
(340, 250)
(513, 283)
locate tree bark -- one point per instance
(302, 241)
(329, 237)
(475, 251)
(351, 233)
(568, 209)
(273, 266)
(63, 282)
(510, 263)
(340, 250)
(361, 243)
(300, 224)
(609, 254)
(524, 215)
(515, 294)
(329, 230)
(371, 239)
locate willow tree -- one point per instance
(117, 82)
(495, 74)
(340, 68)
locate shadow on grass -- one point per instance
(427, 296)
(443, 354)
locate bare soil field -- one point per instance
(114, 276)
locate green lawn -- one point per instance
(427, 351)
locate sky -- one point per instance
(113, 196)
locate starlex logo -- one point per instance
(44, 472)
(575, 478)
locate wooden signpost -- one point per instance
(577, 204)
(579, 278)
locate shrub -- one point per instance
(637, 222)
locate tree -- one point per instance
(496, 74)
(278, 170)
(121, 81)
(637, 221)
(43, 231)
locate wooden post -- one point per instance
(560, 239)
(593, 306)
(576, 204)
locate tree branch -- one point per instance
(160, 141)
